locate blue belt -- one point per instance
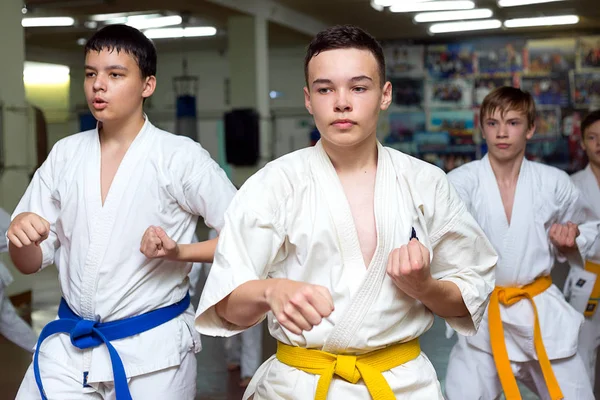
(86, 334)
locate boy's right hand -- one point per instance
(28, 228)
(299, 306)
(157, 244)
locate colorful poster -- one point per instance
(484, 85)
(547, 123)
(407, 92)
(502, 56)
(551, 90)
(452, 93)
(585, 89)
(460, 124)
(402, 60)
(403, 126)
(588, 53)
(551, 56)
(450, 60)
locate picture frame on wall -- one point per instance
(547, 123)
(585, 89)
(450, 60)
(500, 56)
(482, 86)
(404, 60)
(548, 90)
(449, 93)
(408, 92)
(549, 56)
(588, 53)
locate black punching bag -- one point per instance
(241, 137)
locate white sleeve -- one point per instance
(4, 224)
(205, 189)
(39, 198)
(574, 207)
(250, 243)
(463, 255)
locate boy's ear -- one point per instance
(149, 86)
(307, 100)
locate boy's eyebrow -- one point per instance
(321, 81)
(361, 78)
(354, 79)
(121, 67)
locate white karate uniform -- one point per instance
(164, 180)
(12, 325)
(292, 220)
(589, 337)
(544, 196)
(244, 349)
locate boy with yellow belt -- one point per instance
(587, 283)
(531, 213)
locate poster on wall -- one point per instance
(403, 126)
(548, 90)
(547, 123)
(551, 56)
(407, 92)
(403, 60)
(484, 85)
(451, 93)
(500, 56)
(450, 60)
(585, 89)
(588, 53)
(460, 124)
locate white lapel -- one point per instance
(367, 281)
(101, 219)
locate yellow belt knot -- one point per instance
(368, 367)
(509, 296)
(345, 367)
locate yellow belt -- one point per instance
(367, 366)
(592, 304)
(509, 296)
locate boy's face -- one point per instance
(114, 87)
(591, 143)
(506, 135)
(345, 95)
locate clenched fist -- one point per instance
(563, 236)
(157, 244)
(299, 306)
(27, 229)
(408, 266)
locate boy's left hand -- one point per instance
(408, 266)
(157, 244)
(563, 236)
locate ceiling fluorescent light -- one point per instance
(516, 3)
(388, 3)
(541, 21)
(478, 13)
(464, 26)
(433, 6)
(159, 22)
(166, 33)
(108, 17)
(47, 21)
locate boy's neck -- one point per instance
(121, 132)
(507, 172)
(361, 157)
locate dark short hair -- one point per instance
(505, 99)
(128, 39)
(345, 37)
(590, 119)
